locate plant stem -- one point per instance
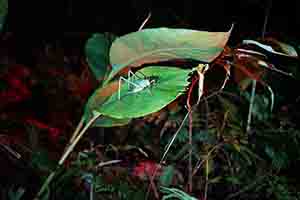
(190, 167)
(67, 152)
(78, 128)
(167, 148)
(251, 106)
(268, 9)
(206, 178)
(76, 140)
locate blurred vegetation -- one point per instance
(41, 104)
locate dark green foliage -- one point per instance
(97, 54)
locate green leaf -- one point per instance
(97, 54)
(167, 176)
(162, 44)
(96, 100)
(174, 193)
(171, 83)
(3, 12)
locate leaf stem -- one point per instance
(79, 126)
(73, 141)
(76, 140)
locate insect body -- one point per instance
(136, 83)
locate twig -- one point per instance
(206, 180)
(110, 162)
(154, 188)
(166, 151)
(207, 157)
(79, 126)
(76, 140)
(268, 9)
(145, 21)
(65, 155)
(251, 106)
(190, 168)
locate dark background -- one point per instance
(36, 23)
(41, 18)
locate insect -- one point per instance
(136, 83)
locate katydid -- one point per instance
(136, 83)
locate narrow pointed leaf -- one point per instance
(162, 44)
(171, 83)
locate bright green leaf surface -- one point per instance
(162, 44)
(97, 53)
(96, 100)
(171, 83)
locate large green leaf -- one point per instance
(162, 44)
(96, 100)
(171, 83)
(3, 12)
(97, 53)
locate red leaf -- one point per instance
(146, 169)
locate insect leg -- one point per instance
(128, 82)
(130, 77)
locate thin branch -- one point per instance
(207, 156)
(76, 140)
(200, 80)
(190, 167)
(251, 106)
(145, 21)
(268, 9)
(110, 162)
(67, 152)
(166, 151)
(79, 126)
(206, 180)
